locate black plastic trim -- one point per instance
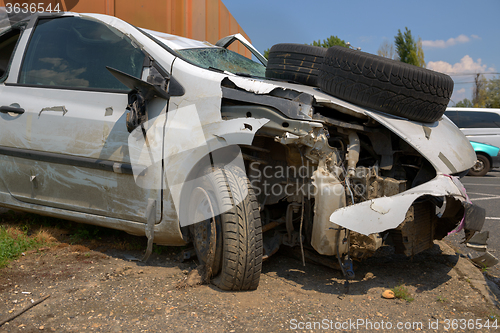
(83, 162)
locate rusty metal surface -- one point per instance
(205, 20)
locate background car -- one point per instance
(478, 124)
(488, 157)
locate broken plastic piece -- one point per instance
(478, 241)
(474, 220)
(486, 260)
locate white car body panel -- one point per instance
(386, 213)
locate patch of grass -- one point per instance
(15, 240)
(402, 292)
(159, 249)
(441, 299)
(85, 232)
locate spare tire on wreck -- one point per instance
(295, 62)
(385, 85)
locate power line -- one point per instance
(466, 74)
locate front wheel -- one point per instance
(228, 240)
(482, 166)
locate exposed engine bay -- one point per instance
(307, 173)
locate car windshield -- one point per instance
(224, 60)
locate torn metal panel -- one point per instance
(255, 86)
(236, 131)
(380, 214)
(54, 108)
(278, 123)
(291, 109)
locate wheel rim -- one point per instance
(204, 231)
(478, 167)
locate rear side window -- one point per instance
(475, 119)
(8, 42)
(453, 115)
(73, 52)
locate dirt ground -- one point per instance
(94, 286)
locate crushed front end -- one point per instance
(342, 180)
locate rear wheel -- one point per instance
(482, 166)
(228, 240)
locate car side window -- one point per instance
(477, 119)
(453, 115)
(73, 52)
(8, 42)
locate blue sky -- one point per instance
(458, 36)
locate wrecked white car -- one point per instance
(183, 141)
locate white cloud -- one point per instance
(450, 42)
(459, 95)
(466, 65)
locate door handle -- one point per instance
(7, 109)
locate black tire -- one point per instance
(295, 62)
(482, 166)
(238, 250)
(385, 85)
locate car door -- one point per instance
(64, 142)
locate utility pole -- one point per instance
(477, 92)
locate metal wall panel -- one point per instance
(203, 20)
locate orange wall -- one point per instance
(197, 19)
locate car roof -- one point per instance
(474, 109)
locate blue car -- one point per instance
(487, 158)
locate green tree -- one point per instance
(420, 53)
(409, 50)
(492, 99)
(266, 54)
(465, 103)
(330, 41)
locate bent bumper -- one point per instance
(381, 214)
